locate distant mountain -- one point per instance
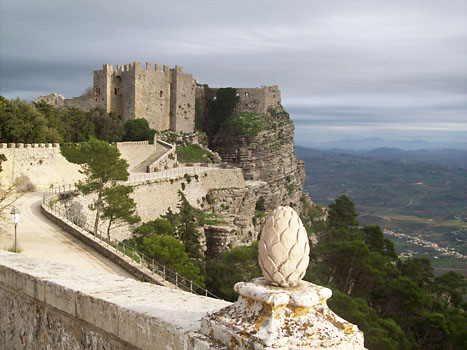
(375, 142)
(446, 157)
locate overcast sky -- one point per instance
(346, 69)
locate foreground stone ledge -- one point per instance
(61, 306)
(268, 317)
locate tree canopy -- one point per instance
(102, 166)
(37, 122)
(138, 130)
(397, 305)
(218, 110)
(118, 206)
(342, 213)
(107, 126)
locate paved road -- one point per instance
(39, 237)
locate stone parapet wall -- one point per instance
(135, 152)
(29, 145)
(165, 161)
(62, 307)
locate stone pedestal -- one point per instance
(268, 317)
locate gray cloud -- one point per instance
(344, 67)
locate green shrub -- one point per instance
(192, 153)
(244, 124)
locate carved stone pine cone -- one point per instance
(284, 248)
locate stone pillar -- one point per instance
(280, 311)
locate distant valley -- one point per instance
(369, 144)
(418, 197)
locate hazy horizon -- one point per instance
(395, 70)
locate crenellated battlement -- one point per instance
(138, 66)
(164, 96)
(132, 143)
(29, 145)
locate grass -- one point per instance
(244, 124)
(192, 153)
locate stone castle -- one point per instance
(58, 305)
(164, 96)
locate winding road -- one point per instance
(39, 237)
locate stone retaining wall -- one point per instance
(155, 197)
(42, 163)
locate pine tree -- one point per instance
(102, 165)
(118, 206)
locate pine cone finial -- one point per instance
(284, 248)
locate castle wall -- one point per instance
(43, 164)
(128, 92)
(252, 100)
(257, 100)
(182, 117)
(153, 96)
(82, 102)
(52, 99)
(62, 307)
(116, 97)
(100, 88)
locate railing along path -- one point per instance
(168, 174)
(126, 250)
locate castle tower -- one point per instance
(182, 104)
(102, 85)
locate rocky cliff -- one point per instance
(262, 145)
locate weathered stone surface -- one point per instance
(283, 248)
(45, 305)
(268, 317)
(219, 238)
(237, 208)
(269, 166)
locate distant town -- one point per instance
(424, 243)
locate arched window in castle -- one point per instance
(161, 93)
(98, 91)
(115, 91)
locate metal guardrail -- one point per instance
(152, 265)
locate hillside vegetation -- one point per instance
(39, 122)
(398, 304)
(419, 199)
